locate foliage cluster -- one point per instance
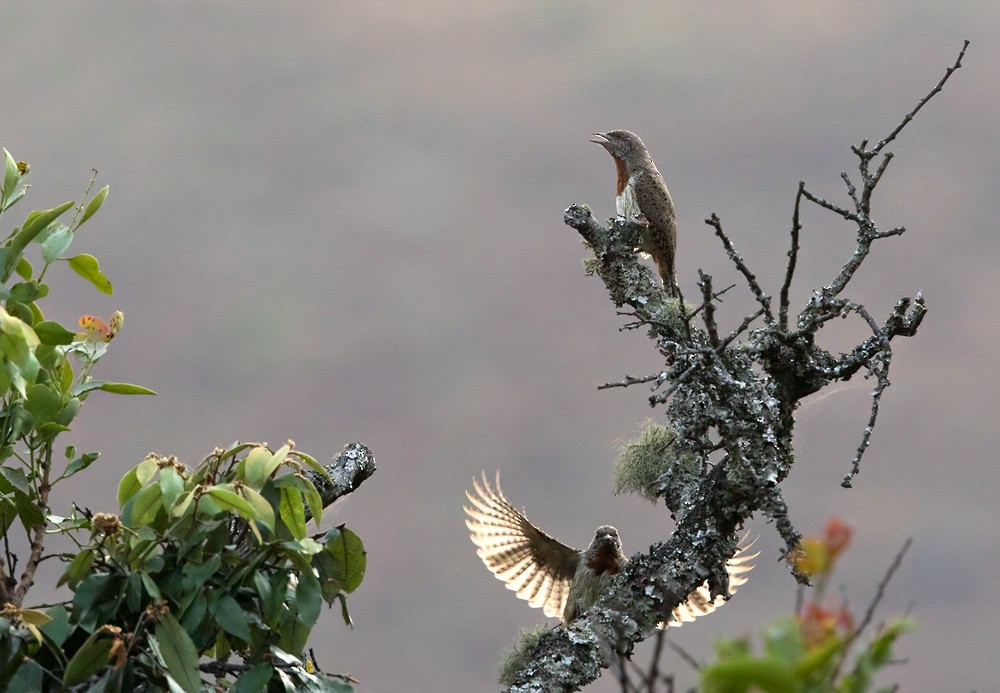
(809, 653)
(205, 577)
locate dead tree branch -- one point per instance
(736, 398)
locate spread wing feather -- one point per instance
(530, 562)
(700, 601)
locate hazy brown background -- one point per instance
(342, 221)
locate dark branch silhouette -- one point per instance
(731, 404)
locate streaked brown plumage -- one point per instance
(564, 581)
(641, 191)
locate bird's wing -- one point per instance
(529, 561)
(700, 601)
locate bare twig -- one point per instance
(850, 216)
(920, 104)
(632, 380)
(764, 301)
(37, 531)
(711, 327)
(793, 254)
(870, 611)
(740, 329)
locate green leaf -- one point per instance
(349, 558)
(272, 590)
(18, 343)
(78, 569)
(88, 660)
(69, 410)
(128, 487)
(16, 478)
(314, 465)
(65, 372)
(744, 674)
(293, 633)
(293, 512)
(262, 509)
(194, 610)
(13, 199)
(881, 646)
(231, 617)
(56, 244)
(180, 506)
(308, 598)
(43, 403)
(94, 205)
(146, 470)
(116, 388)
(57, 629)
(783, 640)
(315, 502)
(146, 505)
(35, 223)
(27, 292)
(816, 658)
(226, 497)
(86, 266)
(197, 574)
(344, 614)
(29, 677)
(80, 463)
(152, 589)
(172, 485)
(178, 653)
(10, 176)
(260, 464)
(23, 268)
(254, 679)
(20, 311)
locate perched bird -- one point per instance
(562, 580)
(642, 192)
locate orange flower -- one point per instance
(818, 625)
(836, 536)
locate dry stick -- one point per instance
(793, 254)
(739, 330)
(654, 665)
(870, 612)
(684, 654)
(909, 116)
(37, 533)
(764, 301)
(630, 380)
(711, 327)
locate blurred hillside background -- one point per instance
(343, 221)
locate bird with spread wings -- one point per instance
(564, 581)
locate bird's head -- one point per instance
(605, 552)
(622, 144)
(605, 538)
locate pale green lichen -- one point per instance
(516, 657)
(649, 463)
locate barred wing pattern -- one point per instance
(700, 601)
(540, 568)
(530, 562)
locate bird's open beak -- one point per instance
(601, 139)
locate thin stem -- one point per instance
(793, 254)
(764, 301)
(920, 104)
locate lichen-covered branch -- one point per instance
(730, 402)
(351, 467)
